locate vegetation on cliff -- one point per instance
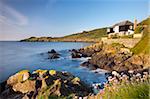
(86, 36)
(143, 46)
(123, 85)
(89, 35)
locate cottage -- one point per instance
(121, 29)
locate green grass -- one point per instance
(93, 34)
(143, 46)
(145, 22)
(138, 29)
(128, 91)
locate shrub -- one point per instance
(127, 91)
(138, 29)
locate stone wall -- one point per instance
(137, 35)
(128, 42)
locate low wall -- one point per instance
(137, 35)
(128, 42)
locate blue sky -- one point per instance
(24, 18)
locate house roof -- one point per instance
(127, 22)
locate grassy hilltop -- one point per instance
(85, 36)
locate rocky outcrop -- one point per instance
(87, 51)
(141, 59)
(52, 51)
(42, 83)
(90, 50)
(111, 57)
(75, 53)
(53, 54)
(19, 77)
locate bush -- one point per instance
(138, 29)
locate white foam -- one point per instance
(100, 71)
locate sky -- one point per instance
(21, 19)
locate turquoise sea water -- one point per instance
(15, 56)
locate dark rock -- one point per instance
(52, 51)
(49, 80)
(85, 64)
(76, 55)
(44, 83)
(92, 67)
(88, 65)
(38, 84)
(2, 86)
(110, 57)
(53, 56)
(9, 93)
(84, 55)
(74, 50)
(34, 76)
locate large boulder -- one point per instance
(53, 54)
(90, 50)
(43, 83)
(89, 65)
(75, 53)
(52, 51)
(24, 87)
(18, 77)
(140, 60)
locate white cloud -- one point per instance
(13, 15)
(12, 22)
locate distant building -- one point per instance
(121, 29)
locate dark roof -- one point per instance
(123, 23)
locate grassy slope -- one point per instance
(92, 35)
(143, 46)
(145, 22)
(138, 90)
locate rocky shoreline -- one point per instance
(124, 85)
(112, 57)
(121, 63)
(55, 84)
(43, 84)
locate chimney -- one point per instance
(135, 23)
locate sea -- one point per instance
(16, 56)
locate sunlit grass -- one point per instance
(136, 90)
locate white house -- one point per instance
(121, 29)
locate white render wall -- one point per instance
(130, 32)
(108, 29)
(116, 29)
